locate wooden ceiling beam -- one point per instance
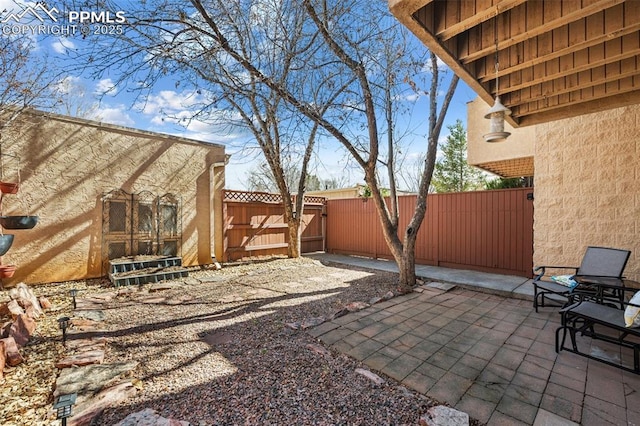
(535, 60)
(607, 97)
(557, 59)
(551, 75)
(511, 40)
(567, 84)
(574, 110)
(480, 17)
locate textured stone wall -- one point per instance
(587, 187)
(68, 164)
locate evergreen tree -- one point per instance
(452, 173)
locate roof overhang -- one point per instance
(557, 59)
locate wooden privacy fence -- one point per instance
(254, 225)
(490, 231)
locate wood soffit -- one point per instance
(509, 168)
(557, 59)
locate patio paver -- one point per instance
(472, 366)
(488, 355)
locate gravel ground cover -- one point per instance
(217, 350)
(26, 391)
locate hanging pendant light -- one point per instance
(498, 112)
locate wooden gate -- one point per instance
(254, 225)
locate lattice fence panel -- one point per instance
(264, 197)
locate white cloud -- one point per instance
(171, 102)
(169, 108)
(61, 45)
(68, 85)
(118, 115)
(106, 87)
(412, 97)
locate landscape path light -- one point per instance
(63, 322)
(63, 406)
(73, 293)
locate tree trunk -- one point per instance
(407, 269)
(295, 245)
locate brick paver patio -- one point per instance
(490, 356)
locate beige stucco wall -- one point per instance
(587, 187)
(68, 164)
(518, 145)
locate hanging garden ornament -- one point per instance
(496, 114)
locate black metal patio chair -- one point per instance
(598, 263)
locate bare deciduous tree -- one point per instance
(290, 69)
(25, 79)
(172, 39)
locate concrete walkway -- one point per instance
(480, 347)
(504, 285)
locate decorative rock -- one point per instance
(4, 329)
(88, 380)
(231, 299)
(191, 281)
(12, 353)
(83, 358)
(312, 322)
(44, 302)
(149, 417)
(93, 315)
(83, 322)
(12, 308)
(406, 392)
(88, 410)
(152, 299)
(30, 310)
(320, 350)
(356, 306)
(163, 286)
(88, 305)
(126, 290)
(293, 325)
(369, 375)
(375, 300)
(342, 312)
(86, 345)
(217, 338)
(101, 297)
(22, 329)
(23, 293)
(444, 416)
(388, 295)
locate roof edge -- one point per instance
(117, 128)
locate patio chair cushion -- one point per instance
(632, 313)
(565, 280)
